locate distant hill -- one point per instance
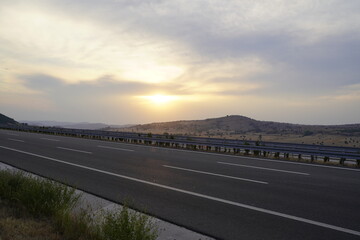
(81, 125)
(6, 120)
(237, 125)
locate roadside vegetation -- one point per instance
(37, 208)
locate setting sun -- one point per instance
(160, 99)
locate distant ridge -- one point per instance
(80, 125)
(6, 120)
(236, 124)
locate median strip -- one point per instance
(215, 174)
(74, 150)
(262, 168)
(274, 213)
(114, 148)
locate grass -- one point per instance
(15, 225)
(40, 197)
(36, 208)
(128, 225)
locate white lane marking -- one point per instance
(74, 150)
(295, 218)
(232, 156)
(243, 157)
(16, 140)
(12, 134)
(215, 174)
(120, 149)
(262, 168)
(50, 139)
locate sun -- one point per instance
(159, 99)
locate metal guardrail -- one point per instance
(265, 149)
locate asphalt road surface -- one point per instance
(223, 196)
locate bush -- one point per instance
(247, 151)
(78, 226)
(124, 224)
(45, 198)
(308, 133)
(40, 197)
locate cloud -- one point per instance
(104, 85)
(48, 41)
(348, 93)
(76, 54)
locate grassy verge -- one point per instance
(15, 225)
(35, 208)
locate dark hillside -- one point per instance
(6, 120)
(244, 125)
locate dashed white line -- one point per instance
(50, 139)
(216, 174)
(12, 134)
(114, 148)
(262, 168)
(283, 215)
(74, 150)
(16, 140)
(243, 157)
(234, 156)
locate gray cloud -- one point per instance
(57, 88)
(201, 27)
(309, 48)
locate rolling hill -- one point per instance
(240, 127)
(6, 120)
(76, 125)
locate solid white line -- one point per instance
(16, 140)
(269, 169)
(243, 157)
(74, 150)
(120, 149)
(50, 139)
(300, 219)
(215, 174)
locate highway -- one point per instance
(223, 196)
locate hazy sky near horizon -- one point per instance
(145, 61)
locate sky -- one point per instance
(122, 62)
